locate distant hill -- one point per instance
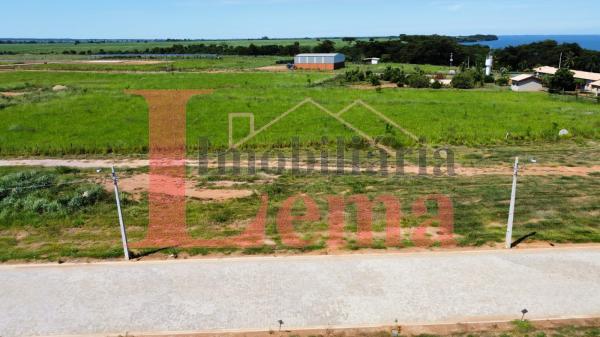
(476, 38)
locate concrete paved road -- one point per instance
(253, 293)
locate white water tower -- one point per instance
(489, 61)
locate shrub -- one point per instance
(355, 75)
(374, 80)
(84, 197)
(502, 81)
(388, 73)
(399, 78)
(488, 79)
(463, 80)
(417, 80)
(436, 85)
(40, 192)
(394, 75)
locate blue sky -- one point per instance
(291, 18)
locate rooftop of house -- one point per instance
(584, 75)
(522, 77)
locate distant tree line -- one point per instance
(417, 49)
(432, 49)
(548, 53)
(477, 38)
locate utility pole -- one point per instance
(511, 211)
(560, 61)
(123, 232)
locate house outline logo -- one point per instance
(337, 116)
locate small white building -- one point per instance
(371, 60)
(526, 82)
(595, 87)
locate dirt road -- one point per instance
(303, 291)
(409, 169)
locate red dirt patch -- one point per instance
(12, 94)
(122, 62)
(138, 184)
(277, 68)
(371, 87)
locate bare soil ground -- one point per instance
(12, 94)
(532, 170)
(500, 327)
(276, 68)
(548, 326)
(138, 184)
(371, 87)
(121, 62)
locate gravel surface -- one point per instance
(303, 291)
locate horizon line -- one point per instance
(278, 38)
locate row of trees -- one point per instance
(465, 79)
(418, 49)
(416, 79)
(525, 57)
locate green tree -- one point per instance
(562, 80)
(418, 80)
(478, 75)
(374, 79)
(326, 46)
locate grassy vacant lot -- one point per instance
(62, 213)
(231, 63)
(95, 116)
(51, 214)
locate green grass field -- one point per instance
(230, 63)
(95, 116)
